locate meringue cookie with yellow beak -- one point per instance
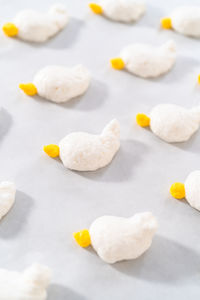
(172, 123)
(7, 197)
(146, 60)
(190, 190)
(58, 84)
(82, 151)
(184, 20)
(116, 238)
(28, 285)
(34, 26)
(119, 10)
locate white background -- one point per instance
(52, 202)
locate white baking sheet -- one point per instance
(52, 202)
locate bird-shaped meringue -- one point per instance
(145, 60)
(58, 84)
(116, 238)
(171, 123)
(184, 20)
(28, 285)
(7, 197)
(82, 151)
(190, 190)
(119, 10)
(34, 26)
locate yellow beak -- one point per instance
(82, 238)
(177, 190)
(28, 88)
(143, 120)
(52, 150)
(97, 9)
(166, 23)
(10, 29)
(117, 63)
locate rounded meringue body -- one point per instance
(35, 26)
(173, 123)
(186, 20)
(28, 285)
(7, 197)
(116, 238)
(82, 151)
(123, 10)
(147, 61)
(192, 189)
(60, 84)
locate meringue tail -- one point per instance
(177, 190)
(112, 128)
(97, 9)
(82, 238)
(52, 150)
(10, 29)
(166, 23)
(39, 275)
(117, 63)
(143, 120)
(28, 88)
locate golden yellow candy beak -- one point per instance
(198, 80)
(51, 150)
(166, 23)
(143, 120)
(28, 88)
(82, 238)
(177, 190)
(97, 9)
(10, 29)
(117, 63)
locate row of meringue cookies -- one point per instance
(34, 26)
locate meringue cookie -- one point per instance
(190, 190)
(115, 238)
(34, 26)
(171, 123)
(185, 20)
(58, 84)
(7, 197)
(120, 10)
(145, 60)
(29, 285)
(82, 151)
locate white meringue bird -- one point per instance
(172, 123)
(119, 10)
(34, 26)
(58, 84)
(145, 60)
(116, 238)
(82, 151)
(28, 285)
(184, 20)
(190, 190)
(7, 197)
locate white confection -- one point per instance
(7, 197)
(123, 10)
(116, 238)
(147, 61)
(173, 123)
(28, 285)
(35, 26)
(192, 189)
(82, 151)
(186, 20)
(60, 84)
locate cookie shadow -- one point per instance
(167, 261)
(122, 165)
(59, 292)
(13, 222)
